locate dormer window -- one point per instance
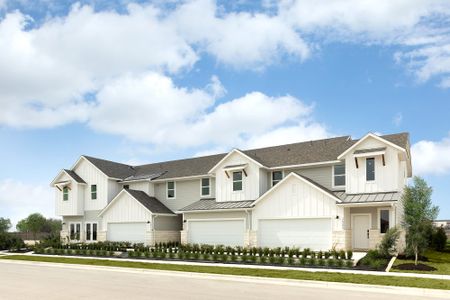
(65, 193)
(237, 181)
(370, 169)
(171, 189)
(277, 176)
(338, 175)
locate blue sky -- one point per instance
(139, 82)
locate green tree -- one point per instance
(34, 223)
(5, 224)
(53, 226)
(419, 214)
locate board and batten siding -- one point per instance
(91, 175)
(250, 183)
(74, 206)
(321, 175)
(294, 198)
(144, 186)
(386, 177)
(125, 209)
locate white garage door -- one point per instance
(302, 233)
(227, 232)
(126, 232)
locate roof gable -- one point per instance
(381, 139)
(238, 152)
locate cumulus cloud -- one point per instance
(431, 157)
(161, 110)
(19, 199)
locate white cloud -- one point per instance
(431, 157)
(19, 199)
(161, 110)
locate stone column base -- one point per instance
(183, 237)
(101, 236)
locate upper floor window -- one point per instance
(339, 175)
(94, 192)
(65, 193)
(237, 181)
(277, 176)
(171, 189)
(370, 169)
(384, 220)
(205, 188)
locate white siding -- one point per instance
(91, 175)
(386, 177)
(250, 183)
(321, 175)
(74, 206)
(294, 198)
(144, 186)
(125, 209)
(186, 192)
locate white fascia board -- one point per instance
(379, 203)
(372, 136)
(271, 190)
(181, 178)
(229, 154)
(369, 154)
(52, 184)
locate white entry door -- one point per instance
(302, 233)
(360, 231)
(126, 232)
(217, 232)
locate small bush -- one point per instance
(340, 263)
(349, 263)
(349, 254)
(263, 259)
(302, 260)
(312, 261)
(321, 262)
(331, 262)
(342, 254)
(387, 246)
(439, 239)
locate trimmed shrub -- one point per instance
(312, 261)
(387, 246)
(439, 239)
(303, 260)
(349, 263)
(342, 254)
(331, 262)
(321, 262)
(340, 263)
(349, 254)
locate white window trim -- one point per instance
(96, 191)
(332, 177)
(92, 231)
(271, 177)
(201, 187)
(379, 209)
(81, 231)
(174, 190)
(374, 170)
(68, 194)
(242, 181)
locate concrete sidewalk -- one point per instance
(233, 265)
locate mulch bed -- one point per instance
(413, 267)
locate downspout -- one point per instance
(249, 220)
(153, 228)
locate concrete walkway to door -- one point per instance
(235, 265)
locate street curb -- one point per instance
(407, 291)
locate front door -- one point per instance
(360, 231)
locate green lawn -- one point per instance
(287, 274)
(438, 260)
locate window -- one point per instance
(74, 233)
(94, 192)
(237, 181)
(205, 187)
(171, 189)
(384, 220)
(370, 169)
(65, 193)
(91, 231)
(126, 186)
(276, 177)
(339, 175)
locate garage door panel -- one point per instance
(126, 232)
(224, 232)
(302, 233)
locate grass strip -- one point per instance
(285, 274)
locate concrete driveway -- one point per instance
(27, 280)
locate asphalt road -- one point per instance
(34, 281)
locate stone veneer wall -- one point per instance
(374, 238)
(183, 237)
(164, 236)
(342, 239)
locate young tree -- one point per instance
(5, 224)
(419, 214)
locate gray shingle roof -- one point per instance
(367, 198)
(74, 176)
(151, 203)
(212, 204)
(276, 156)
